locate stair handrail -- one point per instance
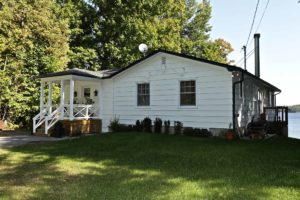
(39, 119)
(53, 118)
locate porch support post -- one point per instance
(71, 117)
(62, 98)
(100, 101)
(42, 96)
(50, 97)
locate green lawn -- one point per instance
(151, 166)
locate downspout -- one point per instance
(275, 99)
(233, 100)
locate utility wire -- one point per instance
(264, 12)
(242, 59)
(260, 21)
(248, 56)
(252, 22)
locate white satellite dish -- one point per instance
(143, 48)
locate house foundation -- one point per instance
(81, 127)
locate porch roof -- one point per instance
(82, 72)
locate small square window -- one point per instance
(87, 92)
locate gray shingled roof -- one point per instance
(83, 72)
(112, 72)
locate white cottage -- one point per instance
(164, 84)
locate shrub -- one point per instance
(125, 128)
(58, 130)
(114, 124)
(167, 126)
(178, 127)
(138, 126)
(197, 132)
(157, 125)
(189, 131)
(130, 128)
(204, 133)
(147, 124)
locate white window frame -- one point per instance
(196, 95)
(136, 95)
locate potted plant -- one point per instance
(230, 133)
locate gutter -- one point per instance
(275, 99)
(233, 99)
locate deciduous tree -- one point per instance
(33, 41)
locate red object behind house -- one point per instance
(2, 125)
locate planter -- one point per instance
(229, 135)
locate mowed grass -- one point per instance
(151, 166)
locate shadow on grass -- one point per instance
(148, 166)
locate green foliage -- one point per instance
(106, 34)
(152, 166)
(147, 124)
(114, 124)
(294, 108)
(195, 34)
(138, 125)
(178, 127)
(167, 125)
(196, 132)
(86, 58)
(120, 26)
(33, 41)
(157, 125)
(218, 51)
(80, 16)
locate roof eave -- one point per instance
(66, 73)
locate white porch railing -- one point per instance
(50, 116)
(81, 111)
(52, 119)
(39, 119)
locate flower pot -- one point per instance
(229, 135)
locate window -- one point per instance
(188, 93)
(143, 94)
(86, 92)
(271, 99)
(241, 90)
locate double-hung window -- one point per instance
(188, 93)
(143, 94)
(87, 92)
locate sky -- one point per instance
(279, 41)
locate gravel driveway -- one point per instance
(11, 141)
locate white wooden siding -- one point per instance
(213, 89)
(106, 105)
(250, 105)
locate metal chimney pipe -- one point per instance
(257, 57)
